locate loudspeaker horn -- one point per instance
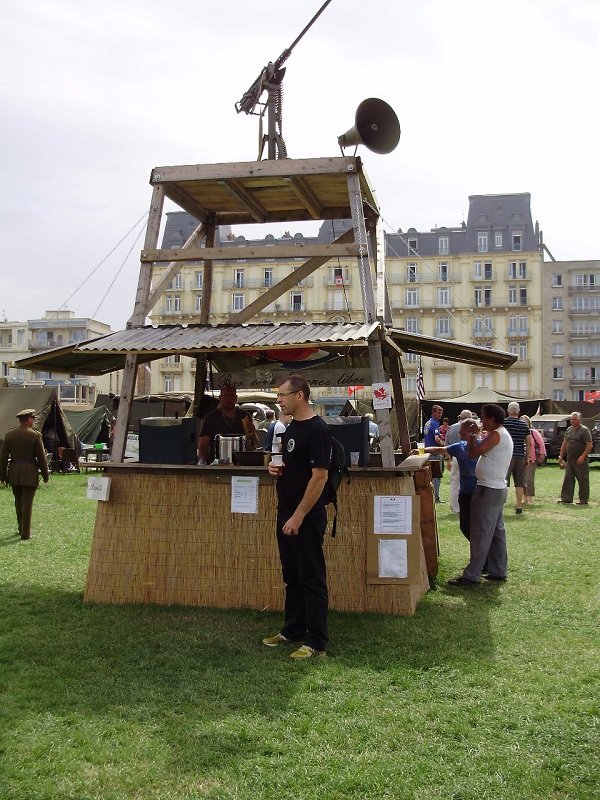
(375, 125)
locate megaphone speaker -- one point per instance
(376, 126)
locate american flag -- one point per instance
(420, 384)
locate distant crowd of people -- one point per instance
(483, 457)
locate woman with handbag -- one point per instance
(536, 455)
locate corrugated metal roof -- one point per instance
(206, 338)
(107, 354)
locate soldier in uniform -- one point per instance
(24, 447)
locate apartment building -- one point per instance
(479, 282)
(54, 329)
(571, 330)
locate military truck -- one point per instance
(553, 428)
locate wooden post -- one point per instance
(386, 443)
(207, 282)
(140, 310)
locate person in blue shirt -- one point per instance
(432, 438)
(468, 479)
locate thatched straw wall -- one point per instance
(172, 539)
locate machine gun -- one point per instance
(270, 80)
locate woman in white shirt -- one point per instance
(488, 536)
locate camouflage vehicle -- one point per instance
(553, 428)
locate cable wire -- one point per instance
(107, 256)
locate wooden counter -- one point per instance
(167, 535)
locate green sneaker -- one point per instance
(307, 652)
(273, 641)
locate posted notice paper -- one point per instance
(393, 514)
(393, 558)
(244, 494)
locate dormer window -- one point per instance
(517, 242)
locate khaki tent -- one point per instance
(479, 397)
(50, 418)
(90, 426)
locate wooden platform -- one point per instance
(169, 537)
(264, 191)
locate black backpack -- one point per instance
(336, 474)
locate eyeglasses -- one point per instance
(285, 394)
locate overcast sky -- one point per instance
(492, 97)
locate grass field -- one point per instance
(488, 692)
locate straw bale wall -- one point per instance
(172, 539)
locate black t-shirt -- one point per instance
(216, 422)
(306, 444)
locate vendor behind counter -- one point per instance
(226, 420)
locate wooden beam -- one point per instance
(241, 170)
(140, 308)
(306, 196)
(245, 199)
(123, 414)
(233, 253)
(207, 275)
(360, 234)
(396, 381)
(187, 203)
(173, 269)
(386, 443)
(286, 283)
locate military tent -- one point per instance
(50, 419)
(479, 397)
(91, 425)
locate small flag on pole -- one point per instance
(420, 384)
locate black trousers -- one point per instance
(305, 577)
(24, 506)
(464, 520)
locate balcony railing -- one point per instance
(584, 312)
(184, 311)
(584, 382)
(331, 281)
(589, 357)
(444, 334)
(172, 367)
(517, 333)
(329, 307)
(584, 289)
(517, 278)
(592, 334)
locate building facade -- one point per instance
(54, 329)
(480, 282)
(571, 331)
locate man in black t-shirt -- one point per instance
(301, 521)
(226, 420)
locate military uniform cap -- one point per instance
(27, 412)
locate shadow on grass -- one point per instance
(196, 685)
(122, 654)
